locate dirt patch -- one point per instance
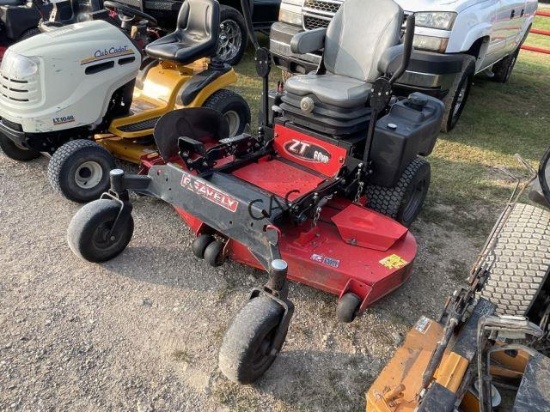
(142, 331)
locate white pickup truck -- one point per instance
(454, 39)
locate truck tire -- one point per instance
(458, 94)
(521, 261)
(233, 37)
(503, 69)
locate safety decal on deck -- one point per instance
(325, 260)
(423, 324)
(210, 193)
(393, 262)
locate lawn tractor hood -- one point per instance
(65, 78)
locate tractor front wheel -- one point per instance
(199, 245)
(91, 236)
(79, 170)
(15, 151)
(248, 348)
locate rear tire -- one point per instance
(503, 69)
(15, 151)
(455, 101)
(233, 107)
(79, 170)
(521, 261)
(89, 234)
(232, 37)
(404, 201)
(247, 349)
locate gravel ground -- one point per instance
(142, 331)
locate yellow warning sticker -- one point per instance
(393, 262)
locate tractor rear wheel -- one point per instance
(233, 107)
(404, 201)
(79, 170)
(15, 151)
(248, 349)
(520, 262)
(91, 236)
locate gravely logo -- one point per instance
(307, 151)
(216, 196)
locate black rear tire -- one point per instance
(347, 308)
(404, 201)
(79, 170)
(247, 349)
(233, 36)
(15, 151)
(455, 101)
(88, 232)
(521, 261)
(233, 107)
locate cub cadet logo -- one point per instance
(209, 193)
(307, 151)
(62, 120)
(108, 53)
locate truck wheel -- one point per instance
(347, 308)
(503, 69)
(79, 170)
(232, 38)
(520, 262)
(89, 233)
(247, 349)
(234, 108)
(15, 151)
(458, 94)
(404, 201)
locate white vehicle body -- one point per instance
(65, 78)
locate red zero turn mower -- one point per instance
(296, 200)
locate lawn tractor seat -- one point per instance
(361, 42)
(196, 34)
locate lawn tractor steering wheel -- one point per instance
(128, 14)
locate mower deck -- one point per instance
(350, 249)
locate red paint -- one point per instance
(309, 151)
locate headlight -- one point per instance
(437, 44)
(17, 67)
(291, 14)
(442, 20)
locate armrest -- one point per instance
(308, 41)
(391, 58)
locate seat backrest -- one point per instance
(198, 16)
(358, 35)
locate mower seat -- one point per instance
(70, 12)
(336, 96)
(196, 34)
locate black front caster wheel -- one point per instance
(199, 245)
(347, 308)
(248, 348)
(91, 235)
(213, 254)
